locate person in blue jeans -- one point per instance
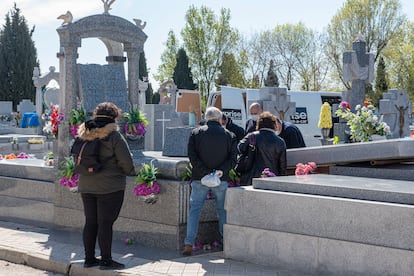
(210, 148)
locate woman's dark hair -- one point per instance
(266, 120)
(107, 109)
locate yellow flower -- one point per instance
(325, 118)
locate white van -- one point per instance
(234, 103)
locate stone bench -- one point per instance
(314, 225)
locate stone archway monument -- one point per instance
(91, 84)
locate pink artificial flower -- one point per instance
(74, 130)
(302, 169)
(345, 105)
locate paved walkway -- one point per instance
(62, 252)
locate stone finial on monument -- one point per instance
(395, 108)
(358, 67)
(272, 80)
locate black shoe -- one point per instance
(91, 263)
(110, 264)
(188, 250)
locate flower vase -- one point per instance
(325, 133)
(149, 199)
(133, 137)
(73, 189)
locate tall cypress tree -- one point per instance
(230, 72)
(272, 80)
(18, 57)
(381, 84)
(410, 84)
(182, 72)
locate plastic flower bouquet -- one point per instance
(364, 122)
(325, 118)
(136, 125)
(147, 188)
(77, 117)
(234, 178)
(186, 176)
(68, 177)
(303, 169)
(52, 118)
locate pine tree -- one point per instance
(182, 72)
(230, 72)
(381, 84)
(272, 79)
(410, 84)
(18, 57)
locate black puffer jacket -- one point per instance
(270, 153)
(212, 147)
(116, 158)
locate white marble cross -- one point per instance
(163, 120)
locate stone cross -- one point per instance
(163, 120)
(358, 67)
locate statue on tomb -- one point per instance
(139, 23)
(401, 111)
(67, 18)
(107, 5)
(282, 112)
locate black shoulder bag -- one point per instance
(245, 160)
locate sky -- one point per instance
(165, 15)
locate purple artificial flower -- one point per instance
(143, 189)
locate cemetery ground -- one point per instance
(60, 252)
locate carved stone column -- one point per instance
(68, 69)
(133, 73)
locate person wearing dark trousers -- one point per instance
(102, 192)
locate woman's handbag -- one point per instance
(245, 160)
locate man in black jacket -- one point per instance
(290, 133)
(210, 148)
(255, 110)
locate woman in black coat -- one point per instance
(270, 149)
